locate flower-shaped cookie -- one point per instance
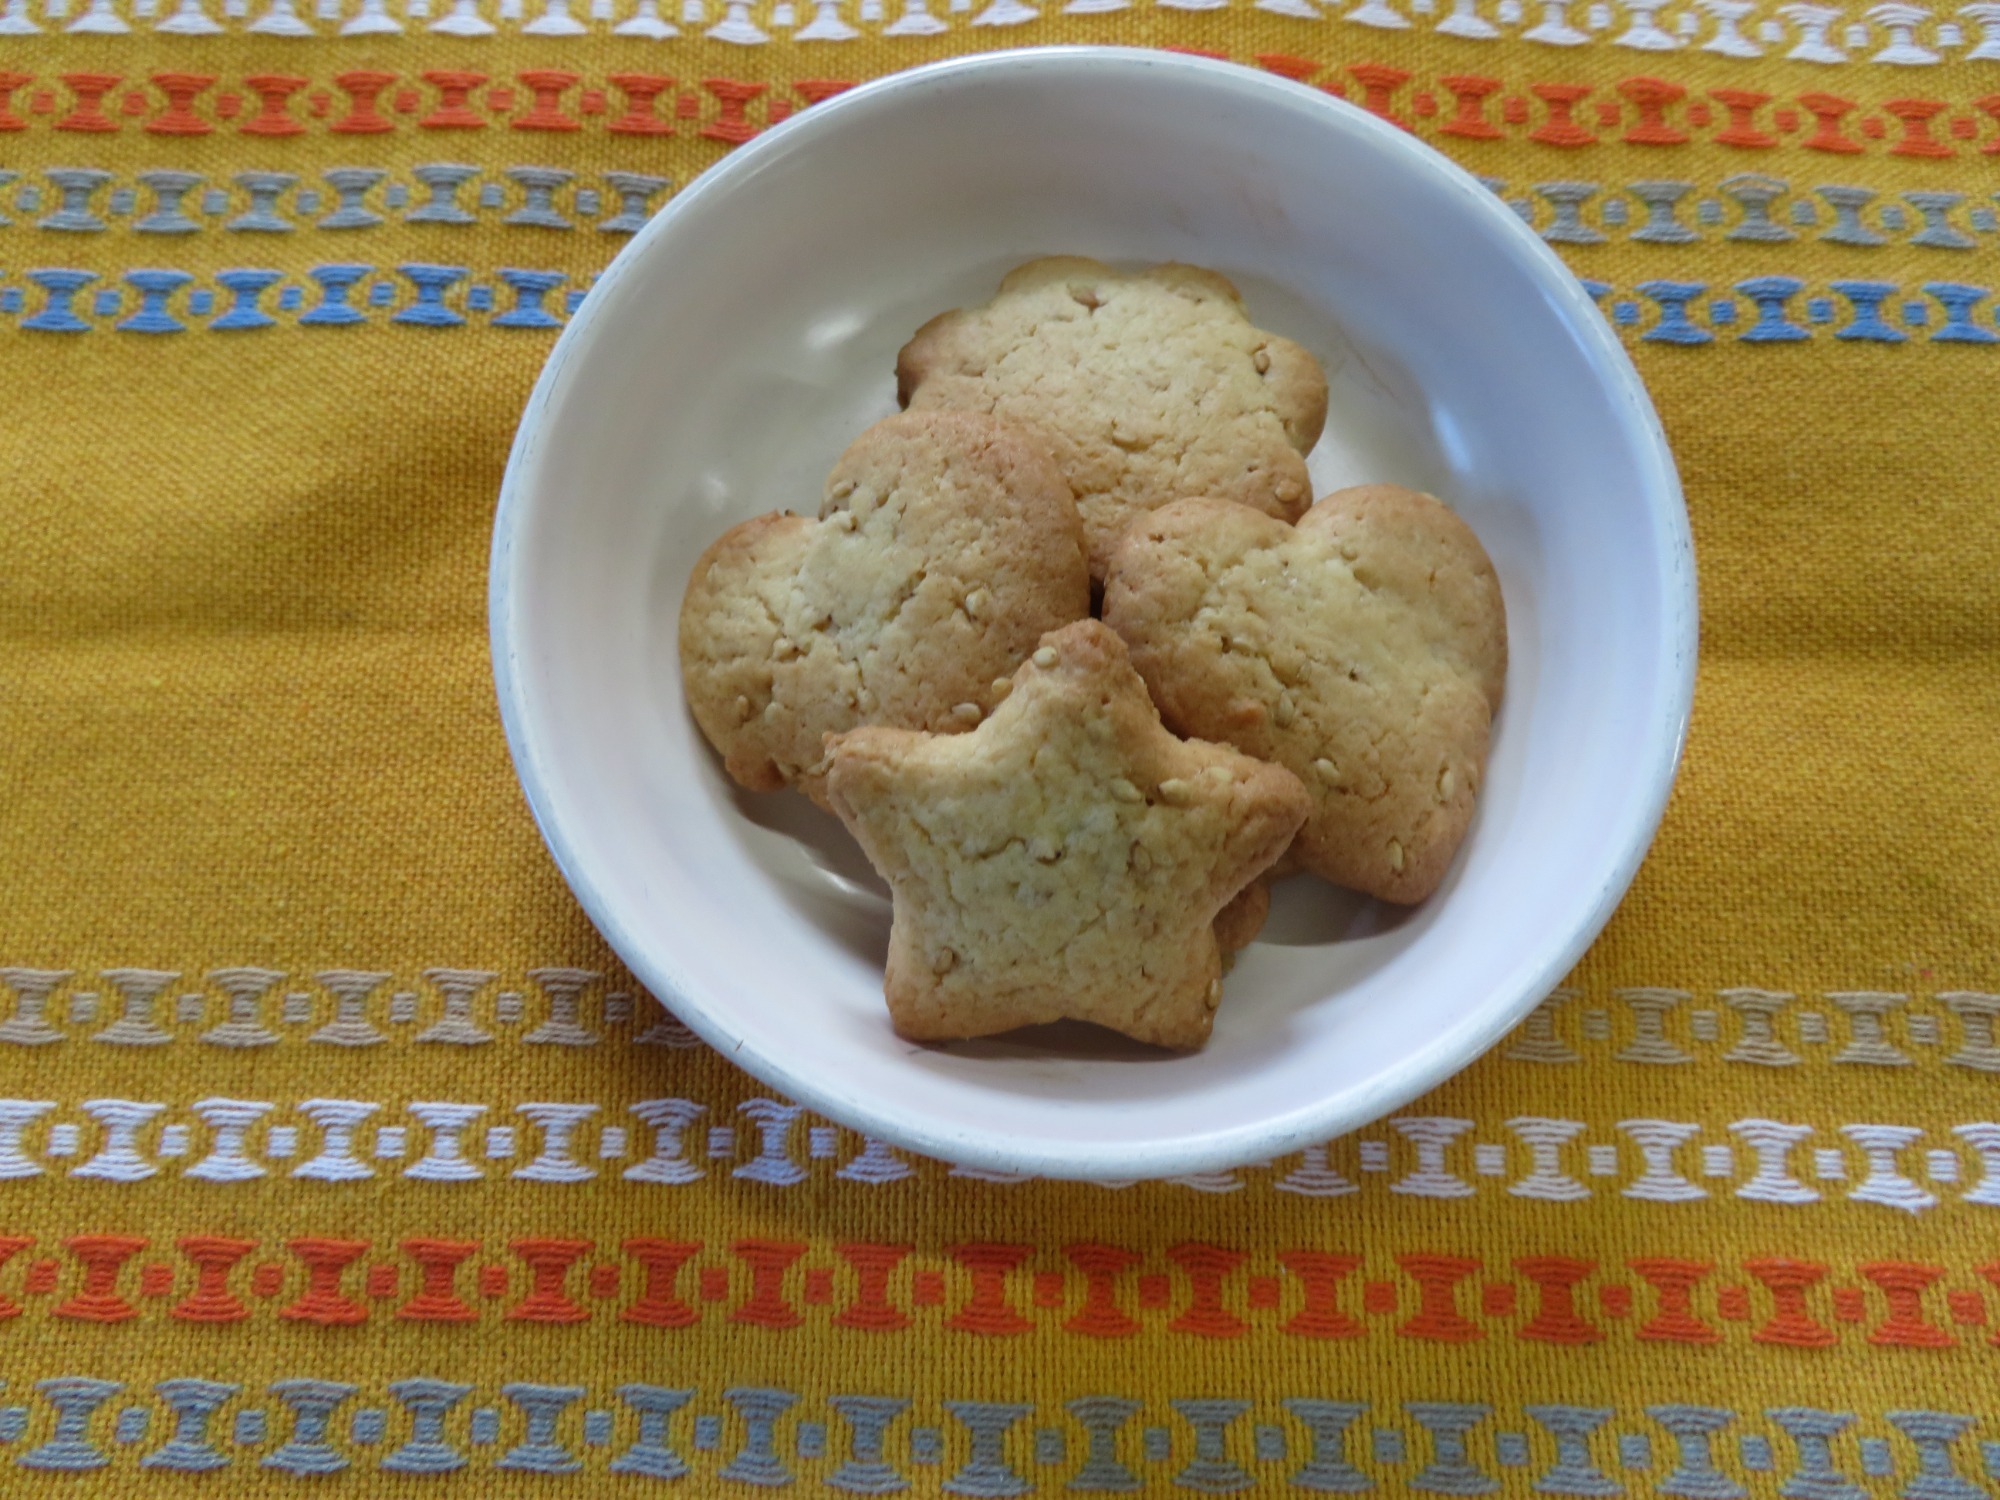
(1067, 859)
(946, 547)
(1152, 386)
(1364, 649)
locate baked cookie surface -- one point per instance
(1152, 386)
(1364, 649)
(946, 547)
(1066, 860)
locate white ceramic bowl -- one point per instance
(749, 332)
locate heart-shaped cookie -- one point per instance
(1364, 649)
(946, 547)
(1151, 386)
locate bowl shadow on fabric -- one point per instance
(834, 887)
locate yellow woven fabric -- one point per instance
(336, 1149)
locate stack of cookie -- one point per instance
(1075, 815)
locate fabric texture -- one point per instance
(336, 1148)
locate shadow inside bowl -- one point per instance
(1079, 1040)
(1307, 912)
(820, 838)
(1068, 1059)
(822, 870)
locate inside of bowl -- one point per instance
(747, 338)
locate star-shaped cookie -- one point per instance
(946, 547)
(1151, 386)
(1364, 648)
(1067, 859)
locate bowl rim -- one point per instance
(1449, 1051)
